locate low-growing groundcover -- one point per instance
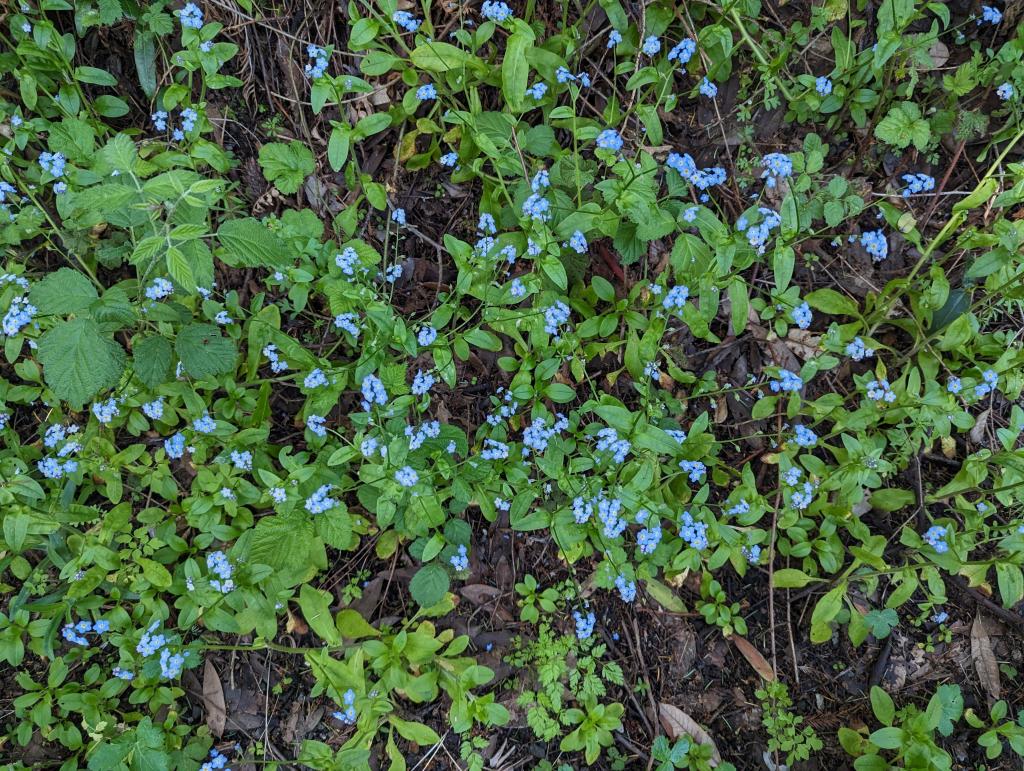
(537, 385)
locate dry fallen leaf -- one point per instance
(803, 343)
(948, 446)
(978, 431)
(213, 700)
(753, 657)
(721, 410)
(480, 594)
(677, 723)
(984, 657)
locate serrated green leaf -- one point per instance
(63, 291)
(248, 242)
(79, 360)
(204, 351)
(152, 359)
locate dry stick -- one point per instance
(650, 692)
(942, 184)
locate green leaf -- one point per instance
(145, 61)
(61, 292)
(95, 76)
(285, 543)
(338, 146)
(154, 572)
(352, 625)
(316, 609)
(560, 393)
(439, 57)
(429, 585)
(791, 578)
(79, 360)
(946, 707)
(831, 301)
(825, 611)
(286, 165)
(204, 352)
(882, 706)
(247, 242)
(902, 126)
(152, 359)
(891, 499)
(362, 34)
(515, 68)
(415, 732)
(1011, 583)
(664, 596)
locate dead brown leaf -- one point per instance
(480, 594)
(753, 657)
(721, 410)
(803, 343)
(213, 700)
(980, 424)
(985, 658)
(677, 723)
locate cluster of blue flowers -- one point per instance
(407, 476)
(373, 392)
(608, 440)
(316, 68)
(554, 317)
(320, 501)
(804, 437)
(802, 315)
(76, 633)
(676, 297)
(154, 410)
(776, 166)
(694, 532)
(347, 714)
(702, 179)
(150, 643)
(460, 560)
(537, 435)
(857, 350)
(880, 391)
(787, 381)
(935, 537)
(496, 11)
(694, 469)
(990, 380)
(875, 244)
(682, 51)
(758, 235)
(191, 16)
(627, 589)
(218, 564)
(610, 139)
(917, 183)
(991, 15)
(649, 537)
(584, 624)
(19, 315)
(217, 762)
(406, 21)
(58, 465)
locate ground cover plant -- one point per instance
(497, 385)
